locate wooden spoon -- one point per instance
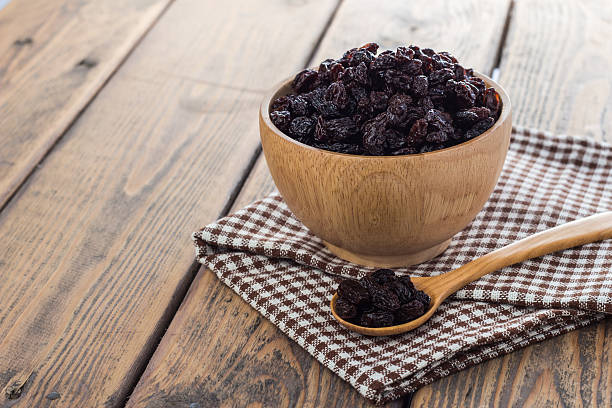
(591, 229)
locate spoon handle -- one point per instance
(590, 229)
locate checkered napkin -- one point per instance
(270, 259)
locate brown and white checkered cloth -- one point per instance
(270, 259)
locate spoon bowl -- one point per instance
(420, 284)
(586, 230)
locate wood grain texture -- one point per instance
(470, 30)
(573, 370)
(96, 252)
(218, 364)
(556, 66)
(54, 57)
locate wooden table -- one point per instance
(125, 126)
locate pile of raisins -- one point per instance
(380, 299)
(407, 101)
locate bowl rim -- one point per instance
(506, 109)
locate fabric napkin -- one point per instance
(272, 261)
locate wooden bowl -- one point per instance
(386, 211)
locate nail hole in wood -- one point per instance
(20, 42)
(87, 63)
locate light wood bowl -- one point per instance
(386, 211)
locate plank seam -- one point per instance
(502, 39)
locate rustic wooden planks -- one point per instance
(96, 252)
(472, 30)
(54, 57)
(570, 370)
(217, 348)
(556, 66)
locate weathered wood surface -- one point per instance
(556, 66)
(54, 57)
(217, 348)
(95, 257)
(472, 30)
(573, 370)
(96, 252)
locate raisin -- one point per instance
(463, 95)
(335, 130)
(440, 76)
(465, 118)
(449, 56)
(437, 96)
(299, 105)
(384, 61)
(423, 298)
(361, 56)
(336, 93)
(418, 132)
(281, 119)
(407, 282)
(323, 107)
(353, 291)
(369, 283)
(397, 109)
(374, 135)
(481, 111)
(420, 86)
(428, 51)
(385, 299)
(335, 71)
(412, 67)
(281, 104)
(383, 276)
(345, 148)
(426, 148)
(372, 47)
(459, 72)
(404, 292)
(395, 140)
(345, 309)
(409, 311)
(378, 101)
(359, 119)
(376, 319)
(304, 80)
(439, 127)
(405, 150)
(397, 81)
(479, 128)
(492, 101)
(361, 75)
(426, 103)
(302, 127)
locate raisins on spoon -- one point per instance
(345, 309)
(377, 318)
(353, 291)
(380, 299)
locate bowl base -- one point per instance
(388, 261)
